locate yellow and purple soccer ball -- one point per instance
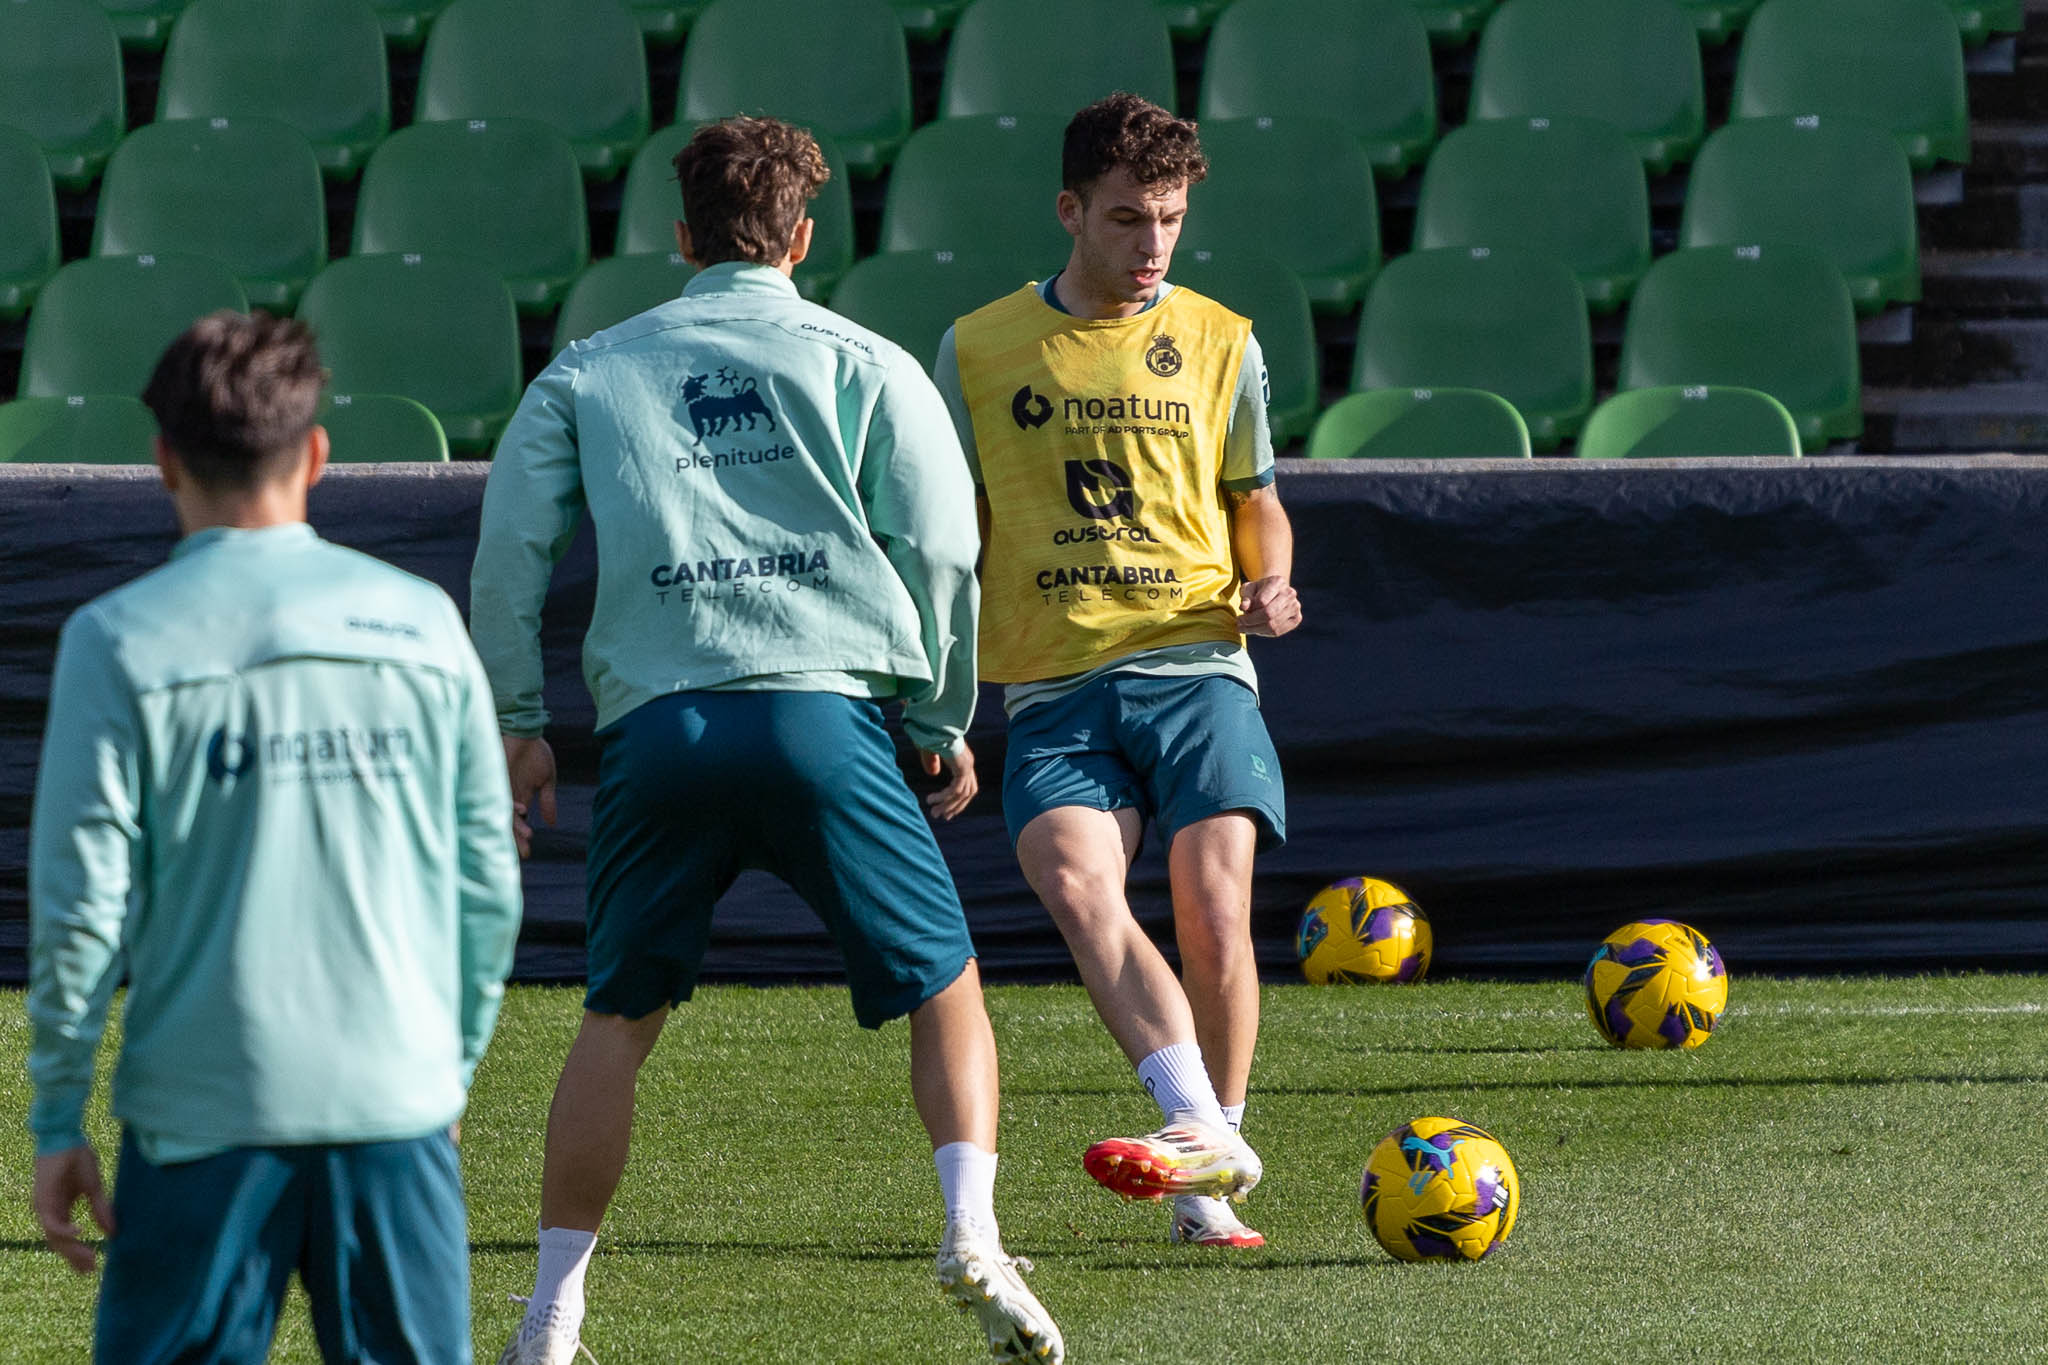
(1656, 983)
(1362, 929)
(1437, 1189)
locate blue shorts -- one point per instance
(197, 1268)
(696, 787)
(1178, 749)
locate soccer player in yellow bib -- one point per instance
(1117, 433)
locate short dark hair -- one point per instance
(236, 394)
(1132, 132)
(745, 183)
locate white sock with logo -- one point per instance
(967, 1182)
(558, 1284)
(1233, 1114)
(1178, 1082)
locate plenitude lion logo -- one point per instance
(738, 404)
(1162, 358)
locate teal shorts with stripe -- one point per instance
(696, 787)
(1178, 749)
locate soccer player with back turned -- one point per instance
(785, 539)
(1117, 429)
(272, 788)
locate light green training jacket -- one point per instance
(780, 501)
(272, 787)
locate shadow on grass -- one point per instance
(820, 1251)
(1369, 1049)
(1102, 1255)
(1564, 1083)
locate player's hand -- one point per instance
(1268, 607)
(62, 1179)
(961, 784)
(531, 765)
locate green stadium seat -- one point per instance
(980, 186)
(1267, 292)
(245, 191)
(651, 204)
(1055, 56)
(406, 21)
(1501, 320)
(100, 324)
(1718, 20)
(1980, 20)
(381, 428)
(1453, 23)
(505, 192)
(581, 69)
(77, 429)
(1831, 181)
(29, 251)
(1371, 71)
(928, 19)
(1190, 18)
(617, 288)
(912, 297)
(847, 77)
(143, 25)
(1420, 424)
(61, 83)
(318, 65)
(1330, 238)
(664, 22)
(1898, 63)
(1685, 423)
(1776, 318)
(1571, 188)
(1633, 63)
(442, 331)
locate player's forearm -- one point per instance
(1263, 537)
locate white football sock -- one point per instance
(1233, 1114)
(967, 1180)
(558, 1284)
(1178, 1082)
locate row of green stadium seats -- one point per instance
(366, 428)
(839, 66)
(1672, 422)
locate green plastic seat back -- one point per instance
(1363, 63)
(1190, 18)
(664, 22)
(1979, 20)
(579, 68)
(1267, 292)
(1420, 424)
(505, 192)
(1683, 423)
(29, 250)
(1330, 238)
(246, 192)
(406, 21)
(1898, 63)
(61, 82)
(1055, 56)
(1773, 317)
(1453, 23)
(651, 204)
(1718, 20)
(927, 18)
(318, 65)
(1832, 181)
(838, 67)
(439, 330)
(381, 428)
(617, 288)
(912, 297)
(1632, 63)
(1565, 187)
(100, 324)
(982, 185)
(143, 25)
(1501, 320)
(76, 429)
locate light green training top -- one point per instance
(780, 502)
(272, 789)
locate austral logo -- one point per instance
(1100, 489)
(1031, 410)
(1161, 358)
(736, 406)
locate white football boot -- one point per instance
(1181, 1158)
(977, 1274)
(549, 1337)
(1204, 1220)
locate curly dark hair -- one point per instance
(1132, 132)
(745, 183)
(235, 395)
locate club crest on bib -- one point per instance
(1162, 358)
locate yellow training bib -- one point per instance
(1101, 444)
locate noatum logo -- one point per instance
(1030, 409)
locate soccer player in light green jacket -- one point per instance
(272, 792)
(786, 538)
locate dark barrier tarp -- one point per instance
(1804, 706)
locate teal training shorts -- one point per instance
(696, 787)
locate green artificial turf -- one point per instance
(1849, 1170)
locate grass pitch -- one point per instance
(1848, 1171)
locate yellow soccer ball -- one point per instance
(1656, 983)
(1362, 929)
(1437, 1189)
